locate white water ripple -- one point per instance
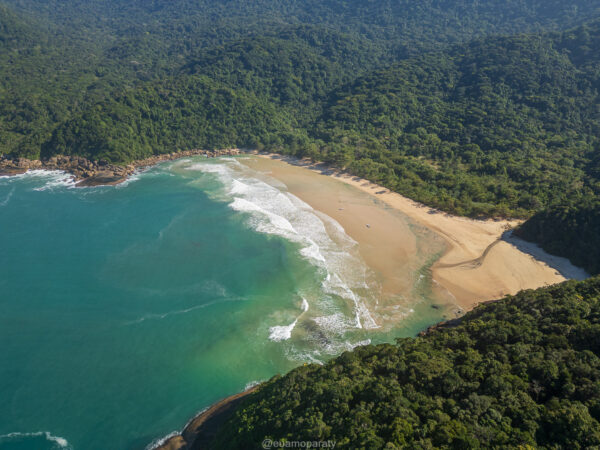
(180, 311)
(8, 197)
(59, 442)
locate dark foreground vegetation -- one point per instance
(522, 372)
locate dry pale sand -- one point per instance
(392, 246)
(482, 261)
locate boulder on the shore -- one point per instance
(101, 179)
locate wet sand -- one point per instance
(393, 246)
(481, 261)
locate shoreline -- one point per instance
(99, 173)
(204, 425)
(394, 251)
(482, 262)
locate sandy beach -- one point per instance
(397, 249)
(481, 261)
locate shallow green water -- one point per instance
(125, 310)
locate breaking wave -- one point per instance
(283, 333)
(323, 241)
(162, 440)
(51, 179)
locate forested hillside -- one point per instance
(407, 25)
(523, 371)
(569, 230)
(45, 76)
(180, 114)
(503, 126)
(443, 102)
(294, 67)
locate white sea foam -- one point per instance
(323, 241)
(284, 332)
(51, 178)
(28, 174)
(336, 323)
(305, 305)
(251, 384)
(238, 187)
(135, 176)
(162, 440)
(59, 441)
(352, 346)
(304, 356)
(209, 168)
(57, 179)
(277, 224)
(330, 348)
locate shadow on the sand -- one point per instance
(562, 265)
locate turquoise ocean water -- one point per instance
(125, 310)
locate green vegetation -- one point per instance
(523, 371)
(426, 98)
(572, 231)
(502, 126)
(478, 108)
(191, 112)
(408, 26)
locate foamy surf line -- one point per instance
(274, 211)
(283, 333)
(52, 178)
(59, 441)
(163, 440)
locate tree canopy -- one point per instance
(522, 372)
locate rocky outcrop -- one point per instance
(16, 166)
(94, 173)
